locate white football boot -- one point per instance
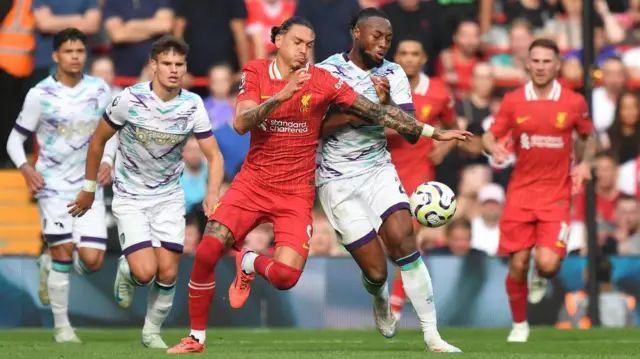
(123, 288)
(153, 341)
(44, 267)
(519, 333)
(386, 322)
(65, 335)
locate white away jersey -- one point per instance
(63, 119)
(151, 136)
(355, 148)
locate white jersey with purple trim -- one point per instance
(151, 136)
(63, 119)
(359, 148)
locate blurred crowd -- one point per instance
(478, 47)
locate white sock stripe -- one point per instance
(213, 286)
(195, 285)
(266, 271)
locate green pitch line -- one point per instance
(545, 343)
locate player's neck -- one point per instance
(478, 101)
(67, 79)
(285, 71)
(354, 56)
(162, 92)
(414, 81)
(543, 92)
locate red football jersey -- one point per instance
(604, 207)
(433, 103)
(262, 16)
(542, 132)
(282, 151)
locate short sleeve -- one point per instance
(584, 125)
(401, 91)
(502, 120)
(336, 90)
(111, 8)
(29, 117)
(249, 85)
(202, 123)
(116, 112)
(238, 9)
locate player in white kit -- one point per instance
(153, 121)
(358, 186)
(63, 110)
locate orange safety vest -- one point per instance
(17, 40)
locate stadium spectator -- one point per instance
(455, 12)
(538, 13)
(218, 106)
(485, 234)
(606, 196)
(132, 26)
(102, 67)
(617, 309)
(195, 176)
(613, 29)
(629, 178)
(512, 65)
(215, 31)
(623, 136)
(330, 19)
(418, 19)
(191, 234)
(458, 239)
(53, 16)
(455, 65)
(604, 97)
(567, 29)
(324, 241)
(471, 111)
(262, 15)
(16, 62)
(260, 239)
(627, 232)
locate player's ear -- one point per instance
(154, 64)
(424, 58)
(355, 33)
(55, 57)
(279, 41)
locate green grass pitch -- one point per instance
(545, 343)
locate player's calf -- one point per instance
(160, 298)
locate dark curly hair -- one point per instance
(286, 26)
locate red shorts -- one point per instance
(244, 207)
(522, 229)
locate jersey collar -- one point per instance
(274, 73)
(423, 85)
(554, 94)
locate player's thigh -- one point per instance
(55, 221)
(90, 236)
(167, 223)
(516, 236)
(239, 211)
(551, 243)
(384, 193)
(293, 228)
(347, 213)
(134, 227)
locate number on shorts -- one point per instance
(563, 235)
(400, 188)
(309, 230)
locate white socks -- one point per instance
(199, 335)
(247, 262)
(58, 286)
(159, 304)
(419, 290)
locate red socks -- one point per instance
(202, 284)
(517, 292)
(398, 296)
(280, 275)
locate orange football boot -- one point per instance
(241, 287)
(187, 345)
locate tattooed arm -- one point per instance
(393, 117)
(586, 148)
(250, 115)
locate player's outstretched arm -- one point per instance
(396, 119)
(215, 161)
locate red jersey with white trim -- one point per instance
(282, 152)
(434, 104)
(542, 132)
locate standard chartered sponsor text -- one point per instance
(287, 126)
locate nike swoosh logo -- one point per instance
(520, 120)
(118, 294)
(305, 246)
(265, 97)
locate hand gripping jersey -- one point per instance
(63, 119)
(152, 134)
(359, 148)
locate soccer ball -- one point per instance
(433, 204)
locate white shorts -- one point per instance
(356, 207)
(59, 227)
(153, 222)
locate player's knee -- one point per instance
(400, 241)
(547, 267)
(167, 275)
(518, 268)
(376, 275)
(209, 252)
(284, 277)
(143, 272)
(93, 263)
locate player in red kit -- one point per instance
(282, 103)
(542, 117)
(434, 105)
